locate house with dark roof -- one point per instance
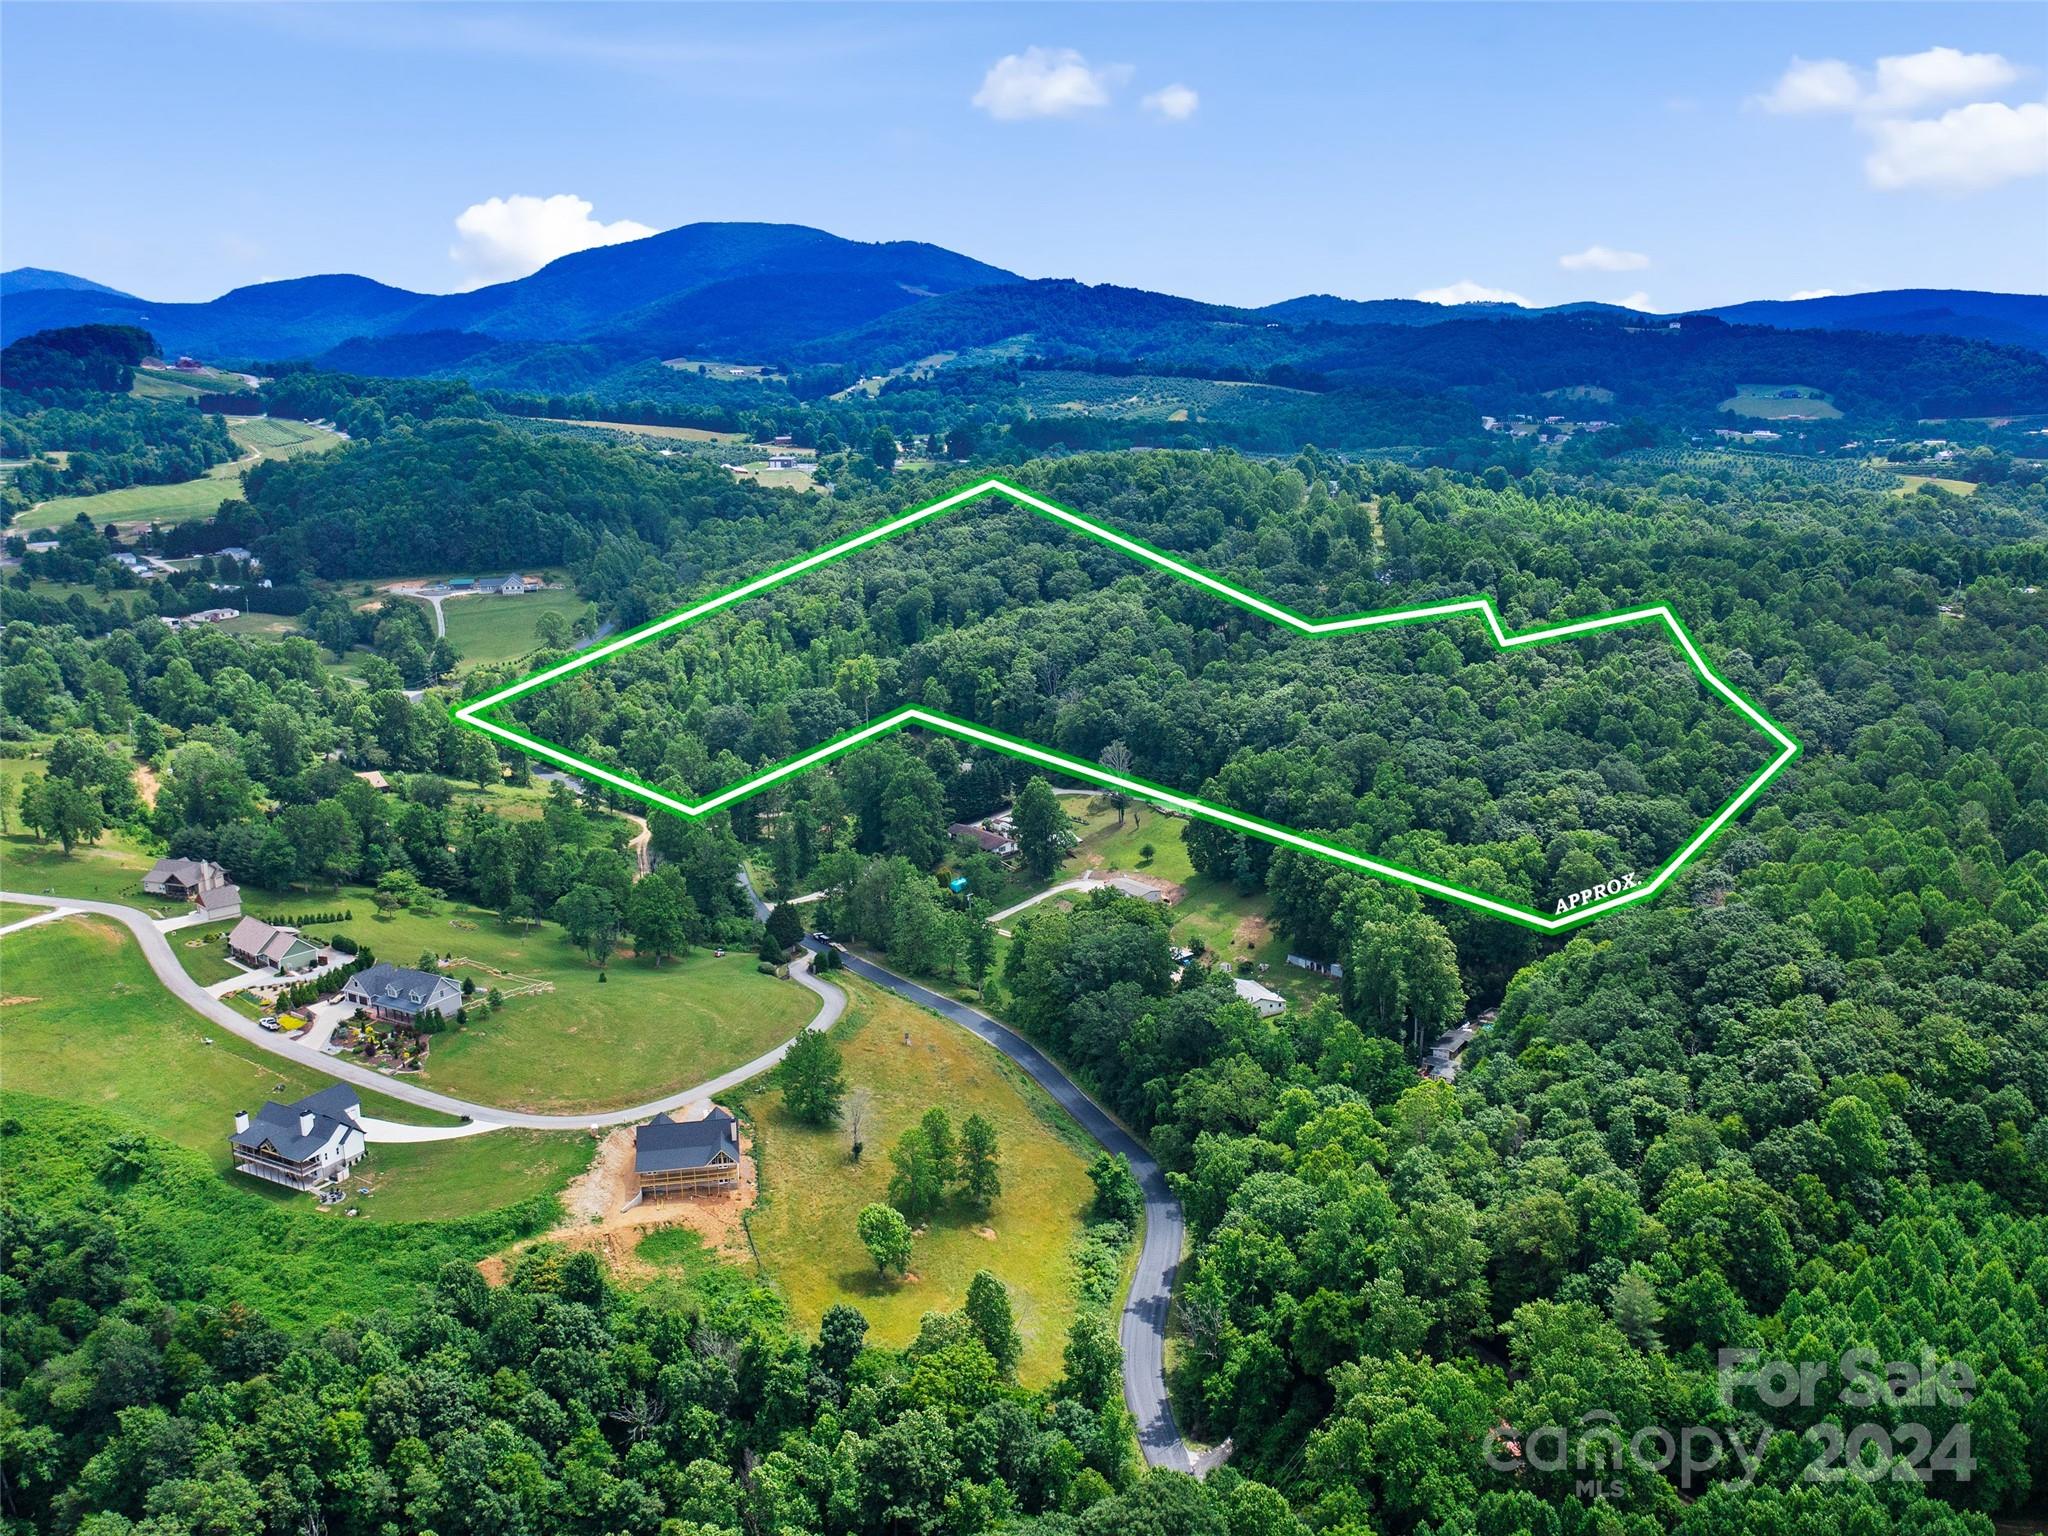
(1001, 844)
(304, 1145)
(270, 947)
(398, 994)
(687, 1157)
(183, 879)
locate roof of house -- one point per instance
(266, 941)
(1137, 888)
(398, 987)
(664, 1145)
(220, 897)
(333, 1108)
(184, 871)
(1256, 992)
(990, 841)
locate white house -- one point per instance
(1261, 997)
(304, 1145)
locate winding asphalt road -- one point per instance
(164, 961)
(1142, 1331)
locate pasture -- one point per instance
(487, 630)
(1781, 402)
(901, 1061)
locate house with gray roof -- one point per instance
(398, 994)
(304, 1145)
(183, 879)
(269, 947)
(687, 1157)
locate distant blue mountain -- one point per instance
(2015, 319)
(766, 292)
(42, 279)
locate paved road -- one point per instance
(831, 1003)
(1143, 1329)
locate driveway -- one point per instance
(157, 950)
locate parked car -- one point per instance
(269, 1022)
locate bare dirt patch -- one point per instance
(595, 1214)
(146, 784)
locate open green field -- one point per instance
(1908, 484)
(1766, 402)
(112, 870)
(577, 1044)
(711, 369)
(15, 911)
(184, 384)
(274, 437)
(188, 501)
(487, 630)
(784, 479)
(271, 626)
(637, 429)
(901, 1061)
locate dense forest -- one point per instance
(1792, 1107)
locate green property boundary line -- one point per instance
(472, 714)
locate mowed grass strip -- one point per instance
(902, 1061)
(577, 1044)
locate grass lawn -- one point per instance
(270, 626)
(186, 502)
(903, 1061)
(120, 1043)
(581, 1044)
(276, 438)
(111, 870)
(203, 952)
(15, 911)
(487, 630)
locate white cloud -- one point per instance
(1176, 103)
(1814, 85)
(1898, 83)
(1601, 258)
(1909, 80)
(1966, 149)
(1465, 291)
(1809, 293)
(1637, 300)
(507, 237)
(1046, 82)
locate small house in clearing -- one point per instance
(265, 946)
(687, 1157)
(1262, 998)
(397, 994)
(1000, 844)
(304, 1145)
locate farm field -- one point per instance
(711, 369)
(188, 501)
(902, 1061)
(638, 429)
(1765, 403)
(579, 1044)
(274, 437)
(181, 384)
(782, 479)
(487, 630)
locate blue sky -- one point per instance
(1684, 155)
